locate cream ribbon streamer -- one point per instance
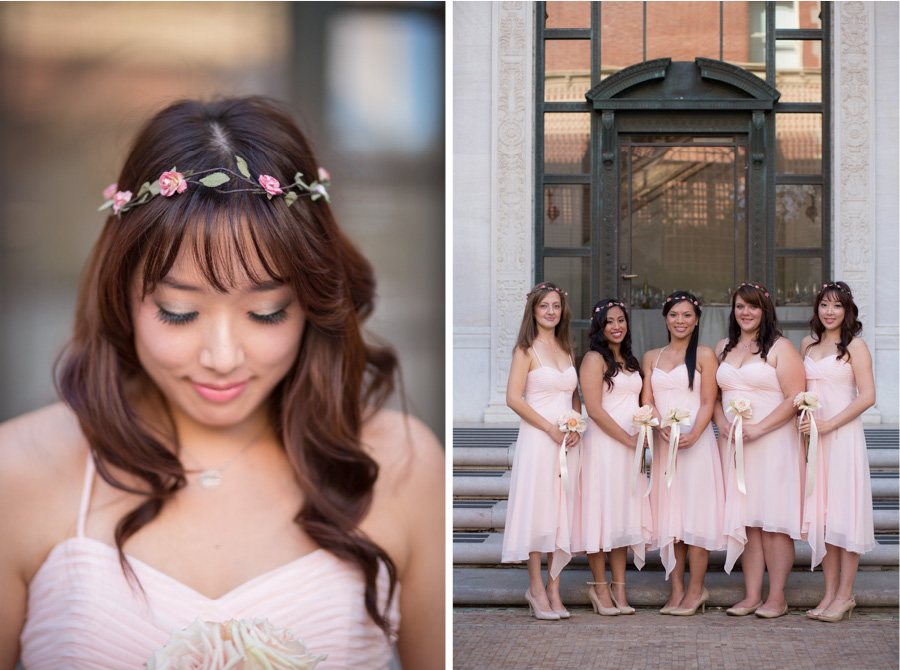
(676, 422)
(564, 466)
(810, 451)
(737, 430)
(644, 434)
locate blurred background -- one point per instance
(365, 81)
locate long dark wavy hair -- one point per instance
(754, 293)
(317, 409)
(851, 326)
(690, 356)
(528, 329)
(598, 342)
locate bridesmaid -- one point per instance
(758, 364)
(612, 517)
(687, 515)
(542, 386)
(838, 514)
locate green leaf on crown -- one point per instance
(242, 166)
(290, 198)
(215, 179)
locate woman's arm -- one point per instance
(515, 390)
(792, 379)
(719, 417)
(647, 363)
(592, 370)
(706, 366)
(861, 362)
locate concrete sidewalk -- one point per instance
(510, 639)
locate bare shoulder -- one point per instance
(784, 347)
(649, 357)
(858, 346)
(397, 441)
(706, 356)
(806, 343)
(593, 359)
(720, 346)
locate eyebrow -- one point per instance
(262, 287)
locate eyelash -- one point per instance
(175, 319)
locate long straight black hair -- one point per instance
(690, 356)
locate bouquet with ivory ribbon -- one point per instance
(675, 418)
(741, 409)
(644, 420)
(569, 422)
(808, 403)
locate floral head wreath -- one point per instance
(172, 182)
(684, 297)
(544, 287)
(611, 303)
(756, 286)
(837, 287)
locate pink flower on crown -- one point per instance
(320, 189)
(272, 186)
(172, 182)
(110, 191)
(324, 175)
(120, 199)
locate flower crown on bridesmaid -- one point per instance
(172, 182)
(545, 287)
(838, 286)
(607, 306)
(756, 286)
(684, 297)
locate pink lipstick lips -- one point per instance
(220, 392)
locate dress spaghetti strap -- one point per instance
(86, 490)
(536, 356)
(658, 355)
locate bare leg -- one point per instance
(553, 586)
(618, 559)
(699, 558)
(753, 565)
(831, 568)
(597, 562)
(778, 549)
(538, 592)
(849, 566)
(677, 575)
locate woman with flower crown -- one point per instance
(222, 456)
(542, 387)
(612, 512)
(837, 515)
(687, 495)
(763, 475)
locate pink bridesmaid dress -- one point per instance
(83, 614)
(839, 511)
(608, 515)
(539, 513)
(772, 462)
(689, 511)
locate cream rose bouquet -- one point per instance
(808, 402)
(247, 644)
(742, 409)
(568, 422)
(674, 419)
(644, 420)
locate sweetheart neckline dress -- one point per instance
(83, 614)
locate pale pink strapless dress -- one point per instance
(689, 511)
(839, 511)
(83, 615)
(772, 463)
(539, 513)
(607, 514)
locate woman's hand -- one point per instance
(663, 432)
(823, 426)
(751, 432)
(573, 439)
(686, 440)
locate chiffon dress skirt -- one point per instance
(539, 514)
(839, 511)
(689, 511)
(773, 463)
(607, 514)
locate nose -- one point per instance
(222, 350)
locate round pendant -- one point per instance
(210, 479)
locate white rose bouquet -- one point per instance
(568, 422)
(247, 644)
(644, 420)
(674, 418)
(742, 409)
(808, 402)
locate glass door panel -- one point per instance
(682, 226)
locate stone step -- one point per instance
(491, 515)
(501, 458)
(648, 589)
(494, 483)
(484, 548)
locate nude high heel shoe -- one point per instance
(622, 610)
(598, 606)
(685, 611)
(834, 617)
(743, 611)
(536, 611)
